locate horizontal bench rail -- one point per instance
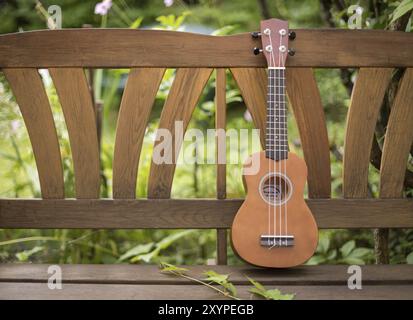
(127, 48)
(194, 213)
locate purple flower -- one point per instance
(15, 125)
(168, 3)
(103, 7)
(247, 116)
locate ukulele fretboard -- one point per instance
(276, 135)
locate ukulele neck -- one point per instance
(276, 135)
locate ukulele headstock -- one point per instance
(274, 36)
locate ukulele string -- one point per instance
(273, 100)
(279, 135)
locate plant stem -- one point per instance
(226, 294)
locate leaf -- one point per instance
(224, 30)
(272, 294)
(161, 245)
(350, 260)
(215, 277)
(316, 260)
(167, 267)
(360, 252)
(221, 279)
(404, 7)
(136, 24)
(409, 258)
(139, 249)
(347, 248)
(25, 255)
(324, 244)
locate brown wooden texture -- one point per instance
(366, 100)
(192, 214)
(220, 125)
(308, 111)
(150, 274)
(154, 48)
(137, 100)
(179, 105)
(398, 140)
(23, 291)
(31, 97)
(74, 95)
(252, 83)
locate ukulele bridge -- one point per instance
(269, 241)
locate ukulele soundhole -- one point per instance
(275, 189)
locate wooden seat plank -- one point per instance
(31, 97)
(150, 274)
(179, 105)
(76, 101)
(24, 291)
(137, 100)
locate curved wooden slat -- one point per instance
(252, 83)
(138, 98)
(31, 97)
(305, 101)
(74, 95)
(398, 140)
(366, 100)
(155, 48)
(182, 99)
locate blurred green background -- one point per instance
(18, 173)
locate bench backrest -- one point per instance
(66, 53)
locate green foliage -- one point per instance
(272, 294)
(404, 7)
(348, 253)
(222, 280)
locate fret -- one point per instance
(276, 135)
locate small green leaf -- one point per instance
(409, 258)
(347, 248)
(167, 267)
(215, 277)
(136, 24)
(404, 7)
(360, 252)
(272, 294)
(135, 251)
(324, 244)
(25, 255)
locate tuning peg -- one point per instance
(256, 34)
(291, 52)
(291, 35)
(257, 51)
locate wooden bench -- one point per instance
(66, 53)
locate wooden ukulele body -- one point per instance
(256, 216)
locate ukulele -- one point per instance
(274, 227)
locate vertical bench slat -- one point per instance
(74, 95)
(179, 105)
(252, 83)
(366, 100)
(305, 100)
(137, 100)
(220, 124)
(31, 97)
(398, 140)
